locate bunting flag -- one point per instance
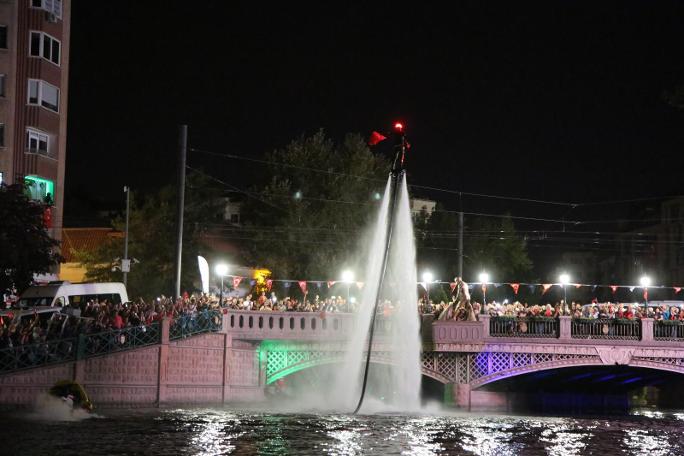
(376, 138)
(287, 284)
(578, 285)
(677, 289)
(331, 283)
(545, 287)
(236, 281)
(359, 284)
(531, 287)
(452, 285)
(319, 284)
(252, 283)
(515, 287)
(614, 288)
(269, 284)
(484, 287)
(645, 294)
(593, 288)
(631, 288)
(302, 285)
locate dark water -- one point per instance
(215, 431)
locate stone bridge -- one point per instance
(254, 349)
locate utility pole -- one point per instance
(126, 263)
(460, 245)
(182, 150)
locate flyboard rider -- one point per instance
(460, 307)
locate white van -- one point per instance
(62, 294)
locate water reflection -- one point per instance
(218, 432)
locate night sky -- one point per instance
(554, 101)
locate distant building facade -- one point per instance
(34, 73)
(419, 205)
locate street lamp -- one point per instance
(221, 270)
(427, 278)
(564, 280)
(348, 278)
(645, 282)
(484, 278)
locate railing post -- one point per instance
(646, 330)
(225, 323)
(163, 364)
(565, 327)
(80, 346)
(484, 318)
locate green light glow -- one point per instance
(39, 187)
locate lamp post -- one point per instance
(427, 278)
(484, 279)
(348, 278)
(645, 282)
(564, 280)
(221, 270)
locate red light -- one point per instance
(399, 127)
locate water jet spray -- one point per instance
(396, 172)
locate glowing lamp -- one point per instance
(399, 127)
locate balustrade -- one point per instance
(606, 328)
(668, 330)
(523, 327)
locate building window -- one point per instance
(3, 37)
(43, 94)
(1, 177)
(2, 135)
(37, 142)
(53, 7)
(235, 218)
(43, 45)
(3, 79)
(39, 189)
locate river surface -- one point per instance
(217, 431)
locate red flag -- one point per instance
(515, 287)
(376, 138)
(677, 289)
(645, 294)
(545, 287)
(47, 217)
(359, 284)
(269, 284)
(578, 285)
(302, 285)
(331, 283)
(614, 288)
(236, 281)
(452, 285)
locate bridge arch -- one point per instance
(281, 368)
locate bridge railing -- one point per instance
(115, 340)
(202, 322)
(668, 330)
(605, 328)
(288, 325)
(534, 327)
(40, 354)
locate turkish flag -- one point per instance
(47, 217)
(515, 287)
(376, 138)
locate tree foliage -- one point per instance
(152, 240)
(490, 244)
(305, 220)
(25, 246)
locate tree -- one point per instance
(490, 244)
(152, 240)
(305, 221)
(25, 246)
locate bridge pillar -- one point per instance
(484, 318)
(162, 373)
(647, 330)
(565, 329)
(461, 395)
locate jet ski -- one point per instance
(73, 394)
